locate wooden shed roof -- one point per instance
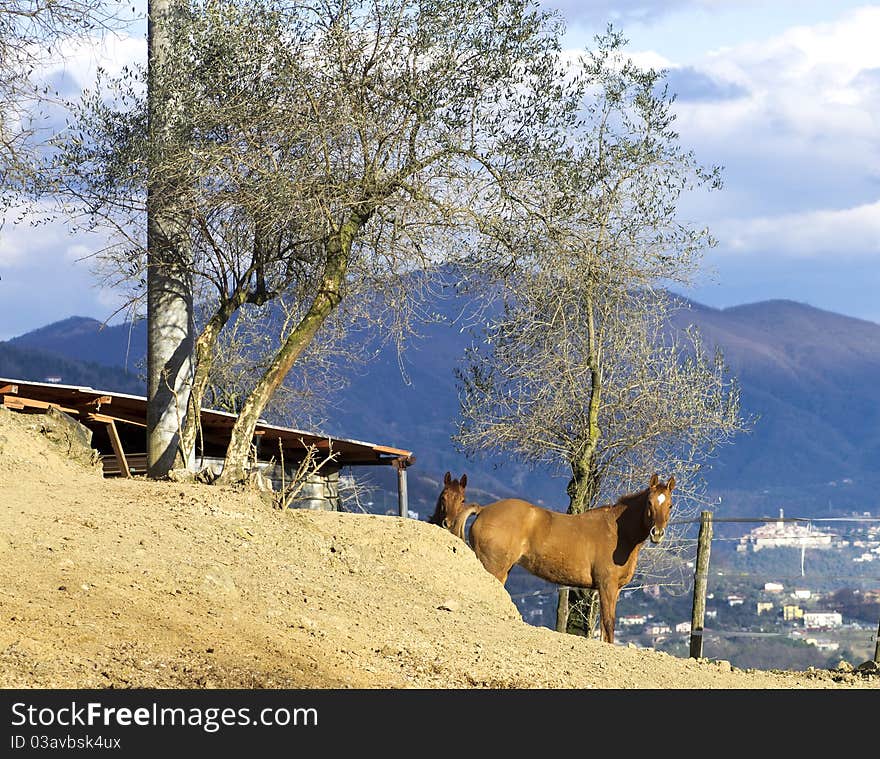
(93, 406)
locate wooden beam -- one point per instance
(107, 418)
(117, 449)
(96, 402)
(8, 389)
(17, 402)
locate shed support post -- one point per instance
(402, 501)
(117, 449)
(400, 464)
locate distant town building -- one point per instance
(734, 600)
(802, 594)
(764, 606)
(683, 627)
(780, 533)
(632, 619)
(813, 619)
(823, 645)
(791, 612)
(772, 587)
(658, 629)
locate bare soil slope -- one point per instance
(135, 583)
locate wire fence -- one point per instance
(675, 544)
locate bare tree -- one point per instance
(334, 153)
(580, 371)
(236, 237)
(404, 111)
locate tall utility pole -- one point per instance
(169, 289)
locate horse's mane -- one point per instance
(630, 498)
(435, 517)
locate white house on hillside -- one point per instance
(822, 619)
(780, 533)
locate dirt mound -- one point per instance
(135, 583)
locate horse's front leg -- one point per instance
(608, 593)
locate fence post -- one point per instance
(701, 574)
(877, 646)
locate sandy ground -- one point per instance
(142, 584)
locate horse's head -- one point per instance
(450, 502)
(659, 507)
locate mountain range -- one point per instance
(808, 377)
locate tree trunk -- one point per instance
(582, 490)
(562, 611)
(581, 486)
(170, 323)
(327, 298)
(205, 351)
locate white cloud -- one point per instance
(848, 233)
(807, 82)
(23, 238)
(79, 60)
(799, 141)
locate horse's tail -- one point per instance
(459, 524)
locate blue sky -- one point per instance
(784, 95)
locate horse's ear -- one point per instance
(654, 480)
(671, 483)
(463, 480)
(447, 478)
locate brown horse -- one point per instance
(451, 502)
(596, 549)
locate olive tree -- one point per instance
(580, 370)
(331, 152)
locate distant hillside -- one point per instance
(809, 375)
(87, 339)
(43, 366)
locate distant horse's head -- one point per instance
(450, 502)
(659, 507)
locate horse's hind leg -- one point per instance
(493, 557)
(493, 564)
